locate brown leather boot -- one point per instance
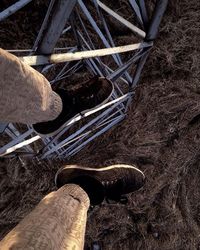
(86, 97)
(106, 182)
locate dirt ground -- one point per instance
(161, 135)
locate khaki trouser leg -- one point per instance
(25, 94)
(58, 222)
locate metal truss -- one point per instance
(104, 58)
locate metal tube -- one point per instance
(13, 8)
(62, 10)
(143, 11)
(3, 127)
(158, 13)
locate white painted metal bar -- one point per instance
(15, 141)
(118, 100)
(15, 134)
(20, 145)
(66, 29)
(122, 20)
(94, 136)
(31, 50)
(95, 120)
(80, 141)
(67, 57)
(11, 149)
(47, 67)
(88, 133)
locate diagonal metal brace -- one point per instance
(57, 20)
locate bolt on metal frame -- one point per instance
(65, 16)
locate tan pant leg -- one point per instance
(58, 222)
(25, 94)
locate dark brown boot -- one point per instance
(78, 101)
(111, 182)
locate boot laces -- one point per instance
(108, 183)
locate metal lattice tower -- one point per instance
(76, 17)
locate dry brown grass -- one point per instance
(161, 135)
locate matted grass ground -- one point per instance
(161, 135)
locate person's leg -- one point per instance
(25, 94)
(58, 222)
